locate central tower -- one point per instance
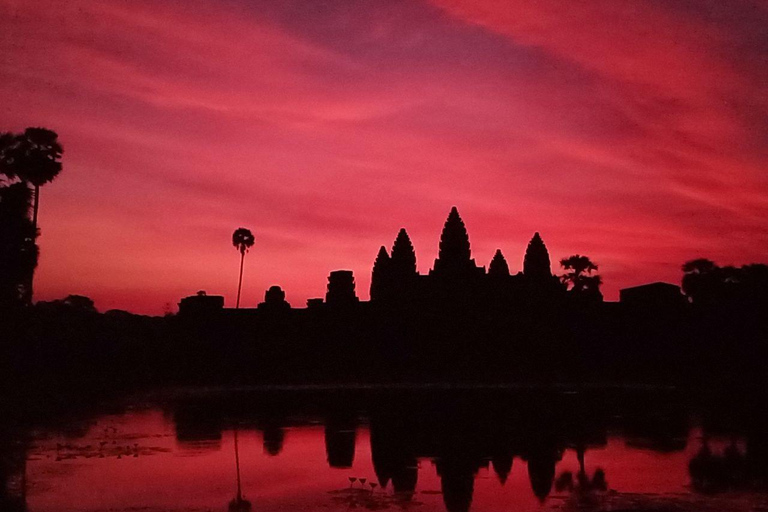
(455, 258)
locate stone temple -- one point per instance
(456, 279)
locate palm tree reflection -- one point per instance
(239, 504)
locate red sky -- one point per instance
(635, 132)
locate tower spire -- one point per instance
(454, 257)
(403, 259)
(536, 264)
(454, 241)
(498, 266)
(380, 273)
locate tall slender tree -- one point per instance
(243, 240)
(34, 157)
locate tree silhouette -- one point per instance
(70, 304)
(579, 277)
(34, 157)
(707, 284)
(702, 281)
(243, 240)
(7, 140)
(536, 264)
(498, 266)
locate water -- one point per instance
(433, 450)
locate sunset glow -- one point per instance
(635, 132)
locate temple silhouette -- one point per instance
(455, 281)
(460, 321)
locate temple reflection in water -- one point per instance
(460, 435)
(379, 448)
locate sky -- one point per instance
(635, 132)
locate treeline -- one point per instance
(59, 349)
(728, 288)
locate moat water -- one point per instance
(428, 452)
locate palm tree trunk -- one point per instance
(240, 282)
(30, 280)
(35, 207)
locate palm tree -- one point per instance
(34, 157)
(243, 240)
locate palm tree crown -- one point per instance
(243, 239)
(33, 156)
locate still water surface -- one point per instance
(429, 454)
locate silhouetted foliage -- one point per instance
(701, 282)
(242, 239)
(706, 284)
(34, 157)
(70, 303)
(579, 277)
(536, 264)
(498, 266)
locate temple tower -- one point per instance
(536, 264)
(454, 258)
(274, 299)
(498, 266)
(380, 274)
(341, 288)
(402, 263)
